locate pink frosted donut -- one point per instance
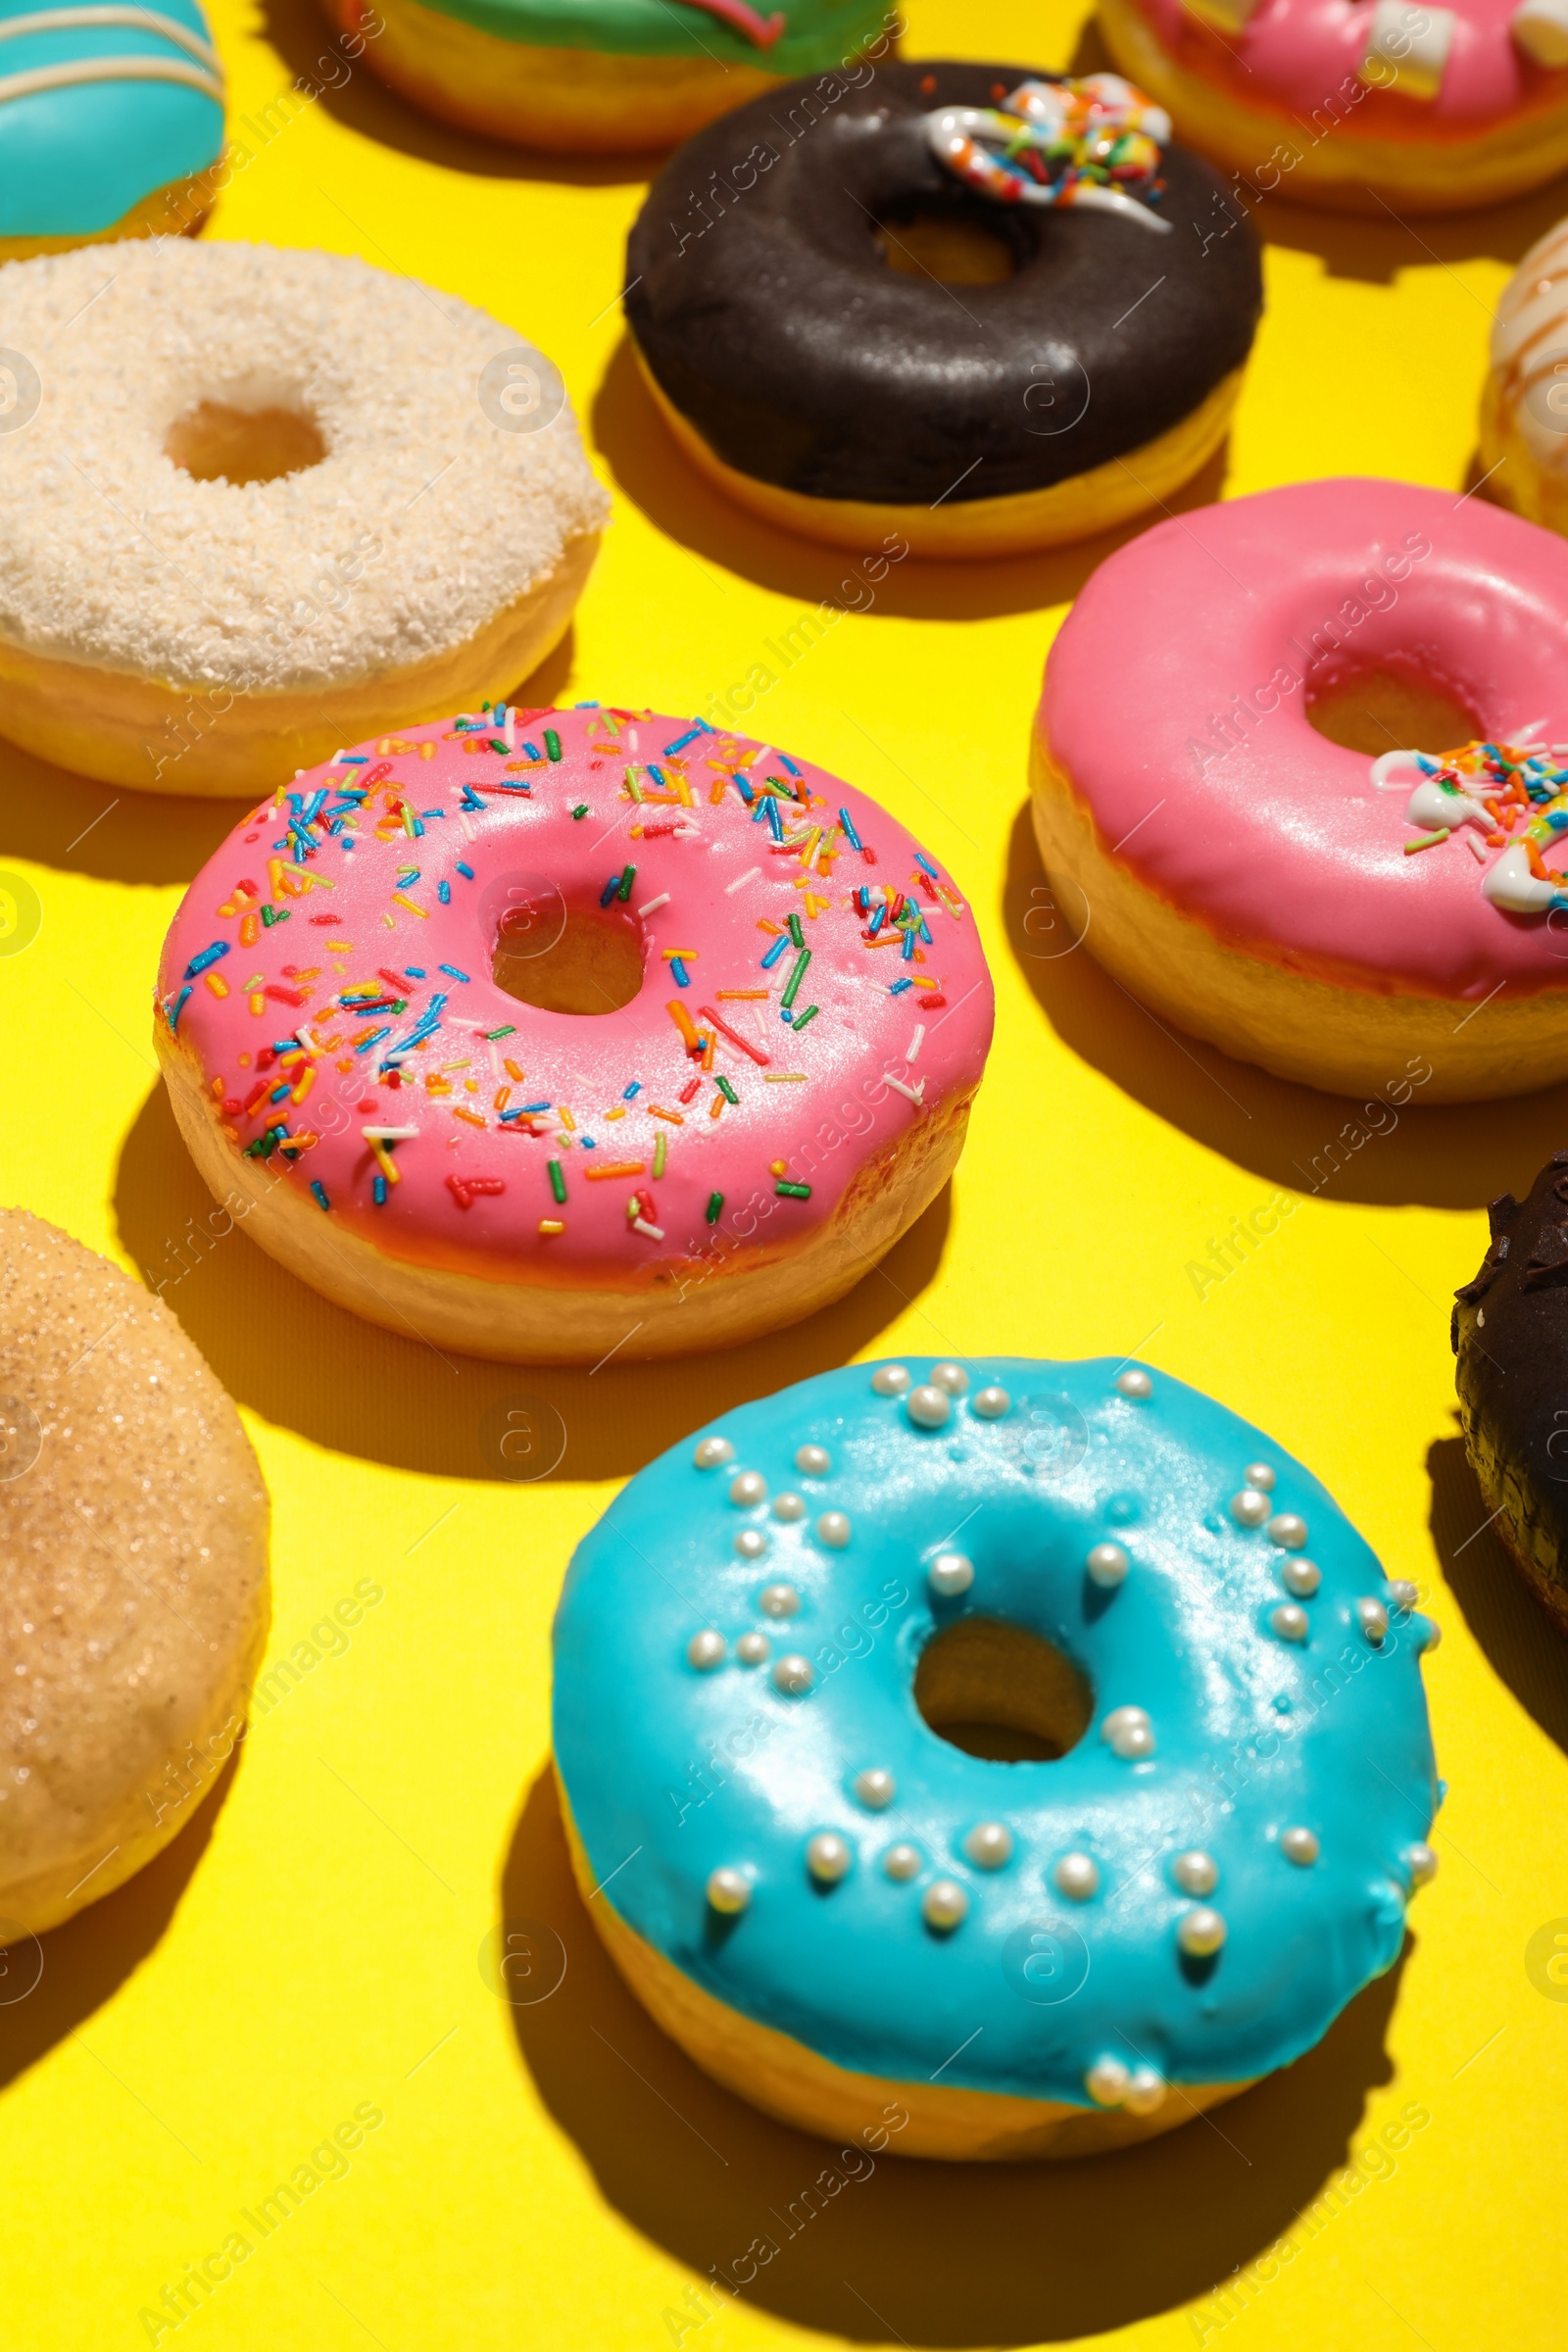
(1346, 101)
(547, 1032)
(1297, 767)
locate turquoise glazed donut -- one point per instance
(838, 1911)
(111, 117)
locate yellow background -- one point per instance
(553, 2174)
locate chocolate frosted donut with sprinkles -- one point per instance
(1035, 1744)
(547, 1033)
(989, 309)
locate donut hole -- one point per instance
(217, 442)
(947, 244)
(1000, 1692)
(1392, 710)
(583, 959)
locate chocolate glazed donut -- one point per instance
(1511, 1335)
(770, 322)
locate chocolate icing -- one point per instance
(761, 304)
(1510, 1334)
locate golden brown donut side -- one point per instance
(133, 1525)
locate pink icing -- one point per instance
(727, 894)
(1300, 54)
(1173, 699)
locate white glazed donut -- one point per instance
(259, 504)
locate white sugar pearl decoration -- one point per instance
(1422, 1864)
(1434, 1635)
(989, 1845)
(1201, 1932)
(1106, 2081)
(1196, 1873)
(1405, 1594)
(1108, 1564)
(833, 1530)
(1299, 1846)
(1146, 2091)
(1259, 1474)
(929, 1407)
(991, 1403)
(875, 1787)
(1290, 1621)
(789, 1506)
(778, 1600)
(1302, 1577)
(751, 1544)
(950, 1572)
(812, 1461)
(1250, 1507)
(705, 1650)
(749, 1487)
(890, 1380)
(901, 1863)
(712, 1453)
(793, 1673)
(1134, 1383)
(944, 1904)
(1128, 1732)
(1373, 1619)
(729, 1891)
(1288, 1529)
(1077, 1876)
(752, 1648)
(827, 1857)
(952, 1377)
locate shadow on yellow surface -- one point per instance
(1519, 1639)
(93, 1954)
(652, 471)
(1452, 1156)
(914, 2252)
(350, 91)
(107, 831)
(305, 1364)
(114, 834)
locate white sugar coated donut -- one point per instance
(259, 504)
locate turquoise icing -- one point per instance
(74, 161)
(672, 1772)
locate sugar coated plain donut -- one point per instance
(549, 1032)
(323, 500)
(789, 300)
(1331, 905)
(829, 1904)
(133, 1527)
(1431, 108)
(607, 76)
(111, 119)
(1509, 1330)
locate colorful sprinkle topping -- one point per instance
(1092, 141)
(1515, 798)
(431, 1106)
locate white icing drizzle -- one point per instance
(110, 69)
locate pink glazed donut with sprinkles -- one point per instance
(1300, 766)
(546, 1033)
(1361, 104)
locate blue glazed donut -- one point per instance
(110, 113)
(1225, 1779)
